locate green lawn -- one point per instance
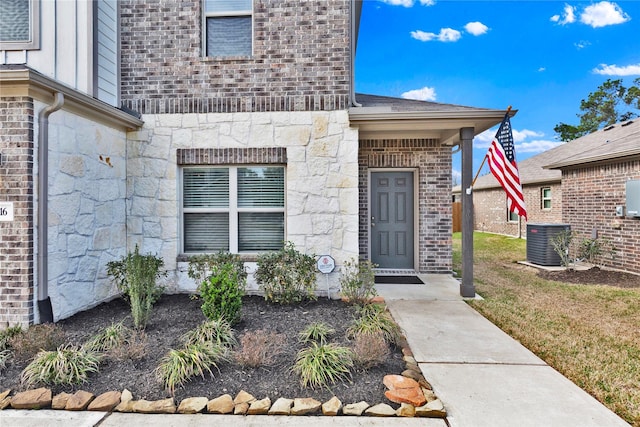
(591, 334)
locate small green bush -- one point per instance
(374, 319)
(66, 365)
(358, 281)
(323, 364)
(201, 266)
(216, 331)
(179, 366)
(26, 344)
(316, 332)
(222, 293)
(287, 276)
(7, 334)
(136, 276)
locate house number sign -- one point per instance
(326, 264)
(6, 211)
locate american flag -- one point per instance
(502, 163)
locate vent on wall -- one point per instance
(540, 243)
(633, 198)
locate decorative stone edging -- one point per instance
(410, 389)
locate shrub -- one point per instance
(358, 281)
(374, 319)
(259, 348)
(217, 331)
(109, 338)
(370, 350)
(201, 266)
(322, 364)
(562, 244)
(592, 249)
(4, 356)
(134, 348)
(66, 365)
(7, 334)
(222, 292)
(287, 276)
(316, 332)
(178, 366)
(136, 276)
(27, 344)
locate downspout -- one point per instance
(352, 48)
(45, 310)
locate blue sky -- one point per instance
(541, 57)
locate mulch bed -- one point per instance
(593, 276)
(174, 315)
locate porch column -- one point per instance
(467, 289)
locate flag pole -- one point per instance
(484, 159)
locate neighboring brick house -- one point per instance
(186, 127)
(595, 186)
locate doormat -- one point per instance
(399, 280)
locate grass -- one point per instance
(66, 365)
(320, 365)
(374, 319)
(588, 333)
(318, 332)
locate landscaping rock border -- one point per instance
(410, 389)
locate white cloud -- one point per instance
(603, 14)
(542, 69)
(409, 3)
(424, 94)
(445, 35)
(476, 28)
(537, 146)
(615, 70)
(568, 16)
(582, 44)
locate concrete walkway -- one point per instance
(483, 377)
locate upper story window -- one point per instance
(19, 24)
(545, 198)
(228, 27)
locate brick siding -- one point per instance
(490, 209)
(300, 59)
(433, 162)
(16, 238)
(590, 198)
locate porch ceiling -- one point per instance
(395, 118)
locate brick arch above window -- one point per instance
(231, 156)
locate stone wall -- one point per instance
(590, 198)
(87, 216)
(300, 59)
(433, 163)
(490, 209)
(321, 179)
(16, 237)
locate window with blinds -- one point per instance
(236, 209)
(228, 29)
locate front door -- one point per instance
(392, 219)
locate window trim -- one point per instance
(34, 31)
(543, 199)
(206, 15)
(233, 209)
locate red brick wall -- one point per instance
(16, 237)
(590, 198)
(300, 60)
(433, 162)
(490, 209)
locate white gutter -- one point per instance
(45, 310)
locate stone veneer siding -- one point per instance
(16, 238)
(87, 210)
(433, 163)
(321, 178)
(490, 209)
(590, 198)
(300, 59)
